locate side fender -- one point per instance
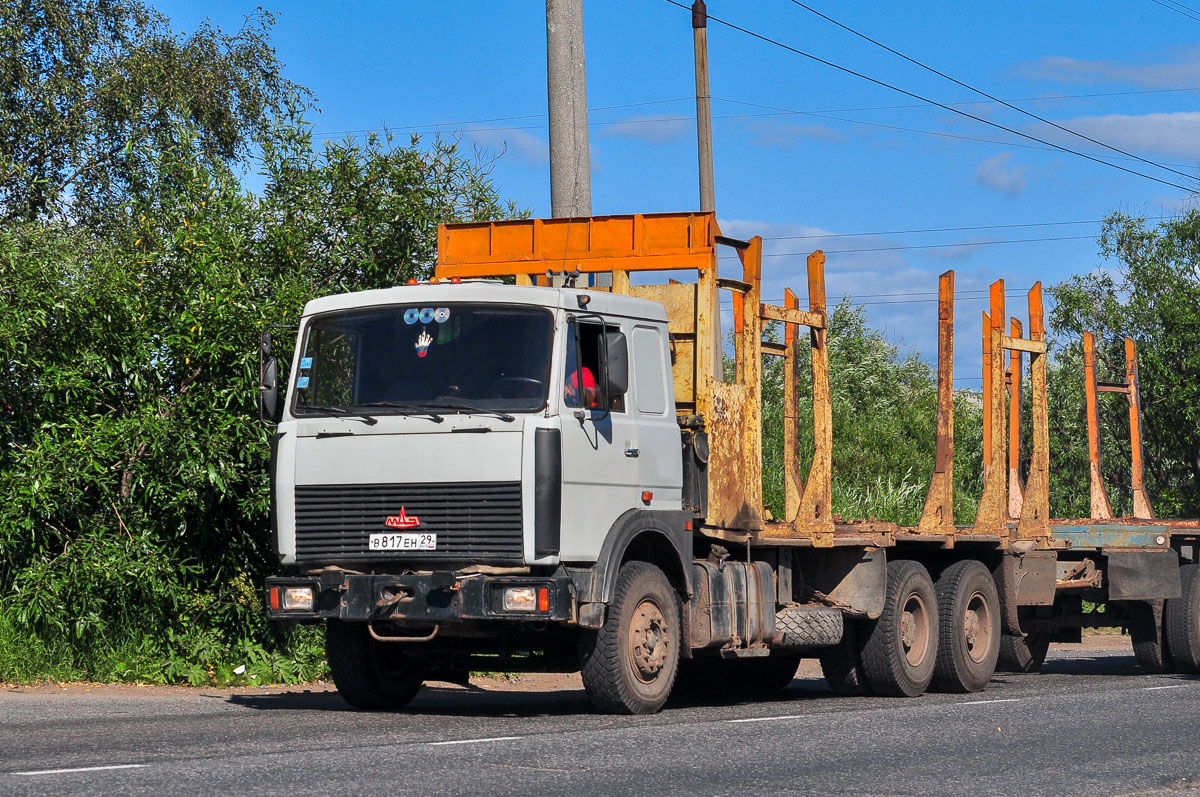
(597, 584)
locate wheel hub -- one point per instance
(977, 628)
(914, 630)
(649, 643)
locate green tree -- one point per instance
(1153, 296)
(93, 93)
(133, 471)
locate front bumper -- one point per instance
(418, 598)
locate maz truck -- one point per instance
(511, 468)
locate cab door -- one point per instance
(600, 446)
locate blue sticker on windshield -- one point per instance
(441, 315)
(426, 315)
(306, 362)
(410, 315)
(302, 382)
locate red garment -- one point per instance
(589, 381)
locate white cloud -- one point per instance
(773, 133)
(1175, 134)
(653, 129)
(1181, 67)
(1001, 175)
(518, 145)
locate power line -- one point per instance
(754, 105)
(938, 133)
(983, 93)
(924, 246)
(499, 119)
(1178, 10)
(933, 229)
(916, 96)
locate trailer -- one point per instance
(510, 467)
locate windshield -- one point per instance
(411, 356)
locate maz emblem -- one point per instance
(402, 521)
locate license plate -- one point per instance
(402, 542)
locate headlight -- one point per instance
(520, 599)
(298, 598)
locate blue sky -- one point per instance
(803, 180)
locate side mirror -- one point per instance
(268, 380)
(614, 359)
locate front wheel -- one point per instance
(900, 649)
(629, 664)
(368, 674)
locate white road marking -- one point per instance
(1172, 686)
(477, 741)
(767, 719)
(999, 700)
(78, 769)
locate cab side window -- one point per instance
(581, 387)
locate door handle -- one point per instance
(631, 452)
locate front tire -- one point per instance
(629, 664)
(900, 650)
(968, 628)
(368, 675)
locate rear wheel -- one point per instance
(369, 675)
(629, 664)
(900, 649)
(1182, 621)
(841, 664)
(1149, 638)
(968, 628)
(1022, 654)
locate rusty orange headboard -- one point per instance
(638, 242)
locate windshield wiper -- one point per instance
(402, 408)
(462, 406)
(340, 411)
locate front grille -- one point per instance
(476, 521)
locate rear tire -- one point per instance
(900, 650)
(1022, 654)
(841, 664)
(368, 675)
(968, 628)
(1149, 638)
(629, 664)
(1182, 621)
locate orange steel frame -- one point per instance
(1101, 508)
(1009, 510)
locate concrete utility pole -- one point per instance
(708, 197)
(570, 165)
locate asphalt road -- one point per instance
(1088, 724)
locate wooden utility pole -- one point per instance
(708, 198)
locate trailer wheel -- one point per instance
(968, 628)
(1182, 621)
(629, 664)
(1149, 638)
(368, 675)
(841, 664)
(900, 650)
(1023, 654)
